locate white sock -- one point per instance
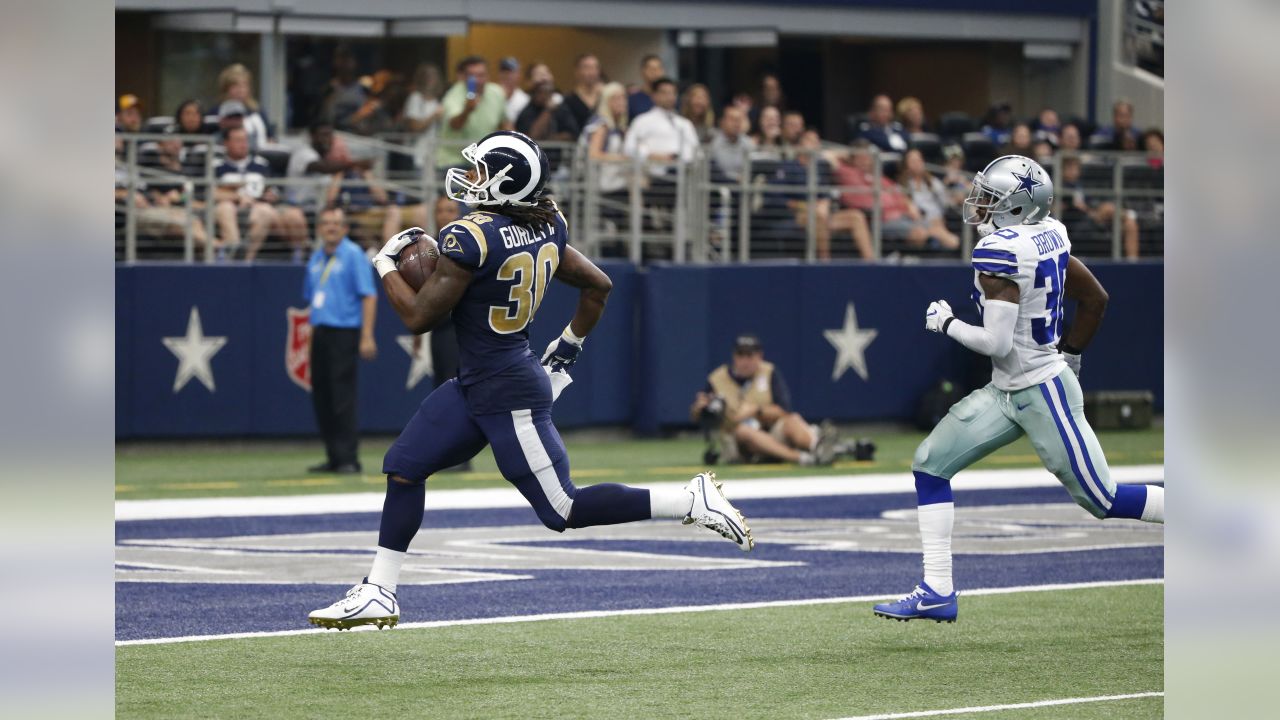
(386, 568)
(806, 458)
(1153, 510)
(670, 502)
(936, 521)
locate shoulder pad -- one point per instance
(463, 241)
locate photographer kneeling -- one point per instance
(746, 407)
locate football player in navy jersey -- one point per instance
(494, 268)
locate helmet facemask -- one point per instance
(985, 203)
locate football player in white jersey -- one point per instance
(1023, 270)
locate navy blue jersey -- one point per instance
(512, 266)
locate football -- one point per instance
(418, 261)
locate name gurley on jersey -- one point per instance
(514, 236)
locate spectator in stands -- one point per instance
(641, 99)
(1122, 135)
(1048, 126)
(1069, 138)
(1153, 144)
(373, 216)
(422, 110)
(1086, 216)
(769, 136)
(660, 134)
(314, 160)
(584, 99)
(242, 195)
(545, 120)
(957, 180)
(509, 81)
(128, 114)
(1020, 141)
(695, 106)
(231, 115)
(770, 96)
(929, 195)
(879, 128)
(235, 84)
(473, 108)
(730, 146)
(792, 128)
(1042, 151)
(998, 124)
(160, 220)
(911, 116)
(346, 93)
(750, 410)
(540, 72)
(384, 98)
(188, 119)
(900, 220)
(605, 136)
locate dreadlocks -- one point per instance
(544, 213)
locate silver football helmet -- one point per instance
(1011, 190)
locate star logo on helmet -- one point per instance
(1026, 183)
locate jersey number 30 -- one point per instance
(1050, 273)
(530, 279)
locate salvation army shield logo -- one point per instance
(297, 347)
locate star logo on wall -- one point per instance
(194, 352)
(851, 344)
(420, 363)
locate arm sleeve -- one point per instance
(995, 337)
(781, 393)
(463, 242)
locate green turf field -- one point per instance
(818, 661)
(236, 469)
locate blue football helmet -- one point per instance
(1012, 190)
(510, 169)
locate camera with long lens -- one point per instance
(710, 420)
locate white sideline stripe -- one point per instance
(1011, 706)
(508, 497)
(589, 614)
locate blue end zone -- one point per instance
(146, 610)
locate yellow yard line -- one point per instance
(224, 485)
(126, 488)
(303, 482)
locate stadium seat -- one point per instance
(157, 124)
(1143, 177)
(955, 124)
(929, 145)
(277, 158)
(979, 151)
(1096, 175)
(853, 124)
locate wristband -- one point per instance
(383, 265)
(947, 323)
(1067, 348)
(571, 337)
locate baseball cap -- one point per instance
(127, 101)
(747, 343)
(508, 63)
(232, 108)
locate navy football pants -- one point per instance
(530, 455)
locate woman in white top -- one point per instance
(929, 195)
(422, 110)
(604, 136)
(234, 84)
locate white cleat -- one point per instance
(714, 512)
(364, 604)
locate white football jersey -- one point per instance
(1035, 257)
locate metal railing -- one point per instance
(781, 204)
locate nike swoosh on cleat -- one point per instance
(922, 606)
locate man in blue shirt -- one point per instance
(339, 288)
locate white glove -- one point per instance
(559, 381)
(385, 261)
(563, 352)
(936, 317)
(1073, 362)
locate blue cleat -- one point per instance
(922, 604)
